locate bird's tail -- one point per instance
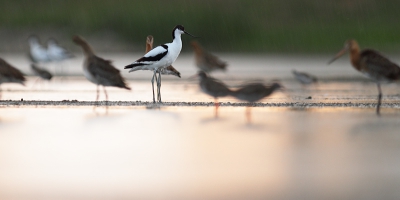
(134, 66)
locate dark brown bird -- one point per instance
(304, 78)
(165, 71)
(10, 74)
(214, 88)
(372, 65)
(254, 92)
(205, 61)
(42, 73)
(99, 71)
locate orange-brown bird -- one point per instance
(372, 65)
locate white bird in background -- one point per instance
(304, 78)
(57, 53)
(37, 53)
(161, 56)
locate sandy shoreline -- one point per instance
(77, 103)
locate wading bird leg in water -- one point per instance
(152, 84)
(216, 107)
(248, 114)
(105, 92)
(379, 99)
(97, 93)
(159, 87)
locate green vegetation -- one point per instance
(289, 26)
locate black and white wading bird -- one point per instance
(165, 71)
(160, 57)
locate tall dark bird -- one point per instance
(10, 74)
(99, 71)
(372, 65)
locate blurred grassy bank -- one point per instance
(282, 26)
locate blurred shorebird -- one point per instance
(214, 88)
(99, 71)
(57, 53)
(372, 65)
(205, 61)
(37, 53)
(165, 71)
(10, 74)
(42, 73)
(161, 56)
(304, 78)
(253, 92)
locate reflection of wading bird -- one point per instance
(161, 56)
(166, 71)
(214, 88)
(205, 61)
(99, 71)
(10, 74)
(304, 78)
(254, 92)
(56, 52)
(371, 64)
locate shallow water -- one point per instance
(183, 152)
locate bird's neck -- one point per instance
(355, 57)
(149, 46)
(87, 50)
(177, 39)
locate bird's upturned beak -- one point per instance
(341, 52)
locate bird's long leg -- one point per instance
(97, 93)
(216, 107)
(105, 92)
(379, 99)
(159, 86)
(97, 98)
(152, 85)
(34, 83)
(157, 80)
(248, 114)
(0, 92)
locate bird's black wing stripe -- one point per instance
(153, 58)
